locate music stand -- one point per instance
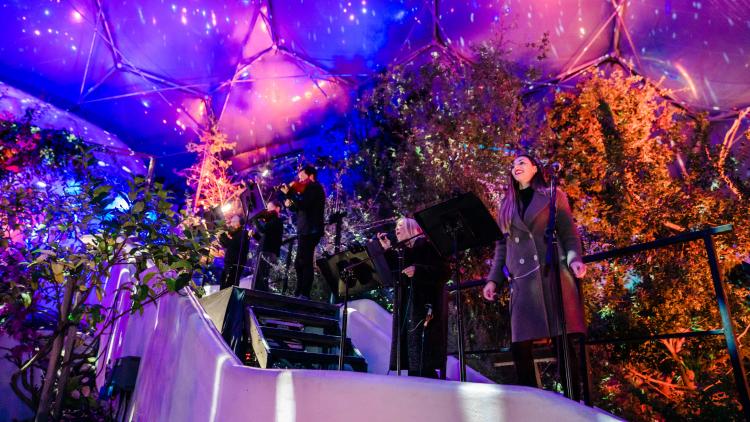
(453, 226)
(252, 202)
(351, 269)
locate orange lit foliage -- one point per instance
(638, 169)
(209, 177)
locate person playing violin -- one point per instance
(269, 230)
(307, 199)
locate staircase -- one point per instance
(286, 332)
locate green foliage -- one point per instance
(448, 125)
(66, 225)
(639, 169)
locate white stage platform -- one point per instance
(188, 373)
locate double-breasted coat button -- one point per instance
(517, 239)
(536, 258)
(521, 261)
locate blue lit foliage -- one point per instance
(64, 224)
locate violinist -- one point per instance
(268, 231)
(307, 199)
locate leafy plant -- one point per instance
(65, 226)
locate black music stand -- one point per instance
(252, 203)
(453, 226)
(349, 272)
(350, 269)
(252, 200)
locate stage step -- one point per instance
(313, 338)
(330, 325)
(289, 303)
(284, 358)
(286, 332)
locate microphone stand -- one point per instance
(454, 230)
(337, 218)
(397, 309)
(553, 263)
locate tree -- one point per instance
(209, 177)
(65, 223)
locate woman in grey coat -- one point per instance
(520, 259)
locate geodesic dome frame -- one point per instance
(271, 73)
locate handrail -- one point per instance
(727, 329)
(656, 244)
(730, 337)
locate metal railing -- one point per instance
(727, 329)
(721, 299)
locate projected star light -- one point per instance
(157, 73)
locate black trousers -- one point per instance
(230, 276)
(523, 359)
(263, 270)
(304, 263)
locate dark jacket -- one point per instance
(269, 233)
(533, 312)
(426, 287)
(310, 209)
(236, 245)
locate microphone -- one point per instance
(556, 167)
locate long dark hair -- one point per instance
(512, 200)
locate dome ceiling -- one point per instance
(156, 72)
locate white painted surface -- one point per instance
(369, 328)
(187, 373)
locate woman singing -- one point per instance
(423, 334)
(520, 258)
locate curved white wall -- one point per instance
(187, 373)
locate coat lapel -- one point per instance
(518, 221)
(538, 204)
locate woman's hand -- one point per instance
(284, 188)
(288, 203)
(384, 241)
(409, 271)
(579, 269)
(489, 291)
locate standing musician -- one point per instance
(307, 199)
(423, 334)
(269, 230)
(236, 245)
(534, 311)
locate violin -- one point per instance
(265, 215)
(298, 187)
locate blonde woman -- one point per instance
(423, 334)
